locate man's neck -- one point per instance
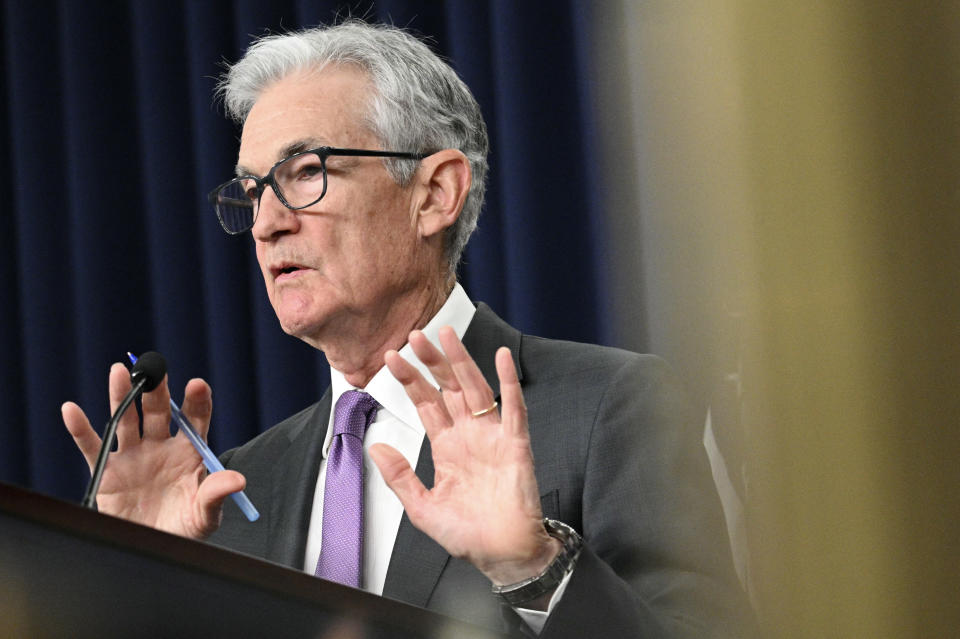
(358, 355)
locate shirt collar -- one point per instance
(457, 312)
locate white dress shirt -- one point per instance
(397, 424)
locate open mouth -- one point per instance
(286, 270)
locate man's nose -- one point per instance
(273, 217)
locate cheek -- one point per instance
(264, 273)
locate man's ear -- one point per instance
(444, 180)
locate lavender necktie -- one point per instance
(341, 545)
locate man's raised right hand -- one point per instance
(156, 479)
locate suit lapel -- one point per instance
(484, 336)
(294, 490)
(417, 561)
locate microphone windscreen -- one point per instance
(151, 367)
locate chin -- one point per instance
(299, 326)
(298, 313)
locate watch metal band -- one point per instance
(534, 587)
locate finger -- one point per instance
(427, 400)
(83, 434)
(476, 392)
(434, 360)
(513, 410)
(439, 366)
(198, 405)
(213, 490)
(156, 412)
(128, 428)
(402, 481)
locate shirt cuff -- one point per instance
(536, 619)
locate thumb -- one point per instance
(400, 478)
(213, 490)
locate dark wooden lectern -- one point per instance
(70, 572)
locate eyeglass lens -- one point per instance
(234, 208)
(299, 181)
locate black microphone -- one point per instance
(145, 375)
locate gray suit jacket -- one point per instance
(618, 456)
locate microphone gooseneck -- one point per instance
(146, 375)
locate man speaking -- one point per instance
(520, 483)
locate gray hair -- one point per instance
(419, 103)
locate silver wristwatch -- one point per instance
(532, 588)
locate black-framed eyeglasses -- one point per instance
(298, 181)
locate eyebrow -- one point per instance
(297, 146)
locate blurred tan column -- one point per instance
(800, 162)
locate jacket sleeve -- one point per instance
(656, 560)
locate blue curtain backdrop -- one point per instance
(111, 140)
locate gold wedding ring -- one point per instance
(486, 411)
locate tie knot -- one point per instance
(355, 410)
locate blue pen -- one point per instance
(209, 459)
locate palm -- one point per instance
(480, 470)
(154, 484)
(484, 504)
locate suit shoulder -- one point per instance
(544, 358)
(279, 435)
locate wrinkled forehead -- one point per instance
(324, 107)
